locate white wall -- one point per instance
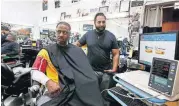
(120, 29)
(22, 12)
(54, 14)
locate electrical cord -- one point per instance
(128, 95)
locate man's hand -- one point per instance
(53, 87)
(110, 71)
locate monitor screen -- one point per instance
(161, 45)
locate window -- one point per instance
(57, 3)
(170, 15)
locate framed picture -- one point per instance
(137, 3)
(57, 3)
(45, 5)
(103, 9)
(124, 6)
(44, 31)
(44, 19)
(87, 27)
(63, 14)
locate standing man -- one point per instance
(100, 43)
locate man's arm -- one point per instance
(38, 73)
(44, 80)
(39, 69)
(82, 41)
(115, 53)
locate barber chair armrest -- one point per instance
(36, 89)
(16, 65)
(4, 87)
(20, 76)
(11, 57)
(35, 83)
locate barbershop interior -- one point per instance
(89, 52)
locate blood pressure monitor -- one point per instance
(164, 76)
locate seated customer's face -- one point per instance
(62, 34)
(9, 38)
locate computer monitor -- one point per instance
(164, 76)
(162, 45)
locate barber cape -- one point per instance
(76, 75)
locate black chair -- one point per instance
(12, 84)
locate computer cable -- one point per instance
(128, 95)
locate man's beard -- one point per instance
(62, 42)
(100, 30)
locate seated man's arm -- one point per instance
(38, 73)
(38, 70)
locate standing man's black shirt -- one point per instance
(99, 48)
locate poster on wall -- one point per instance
(124, 6)
(137, 3)
(136, 17)
(114, 6)
(44, 32)
(103, 9)
(87, 27)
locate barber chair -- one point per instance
(10, 59)
(14, 81)
(29, 55)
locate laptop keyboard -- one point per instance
(128, 101)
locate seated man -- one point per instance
(4, 32)
(65, 71)
(10, 47)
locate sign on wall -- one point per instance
(137, 3)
